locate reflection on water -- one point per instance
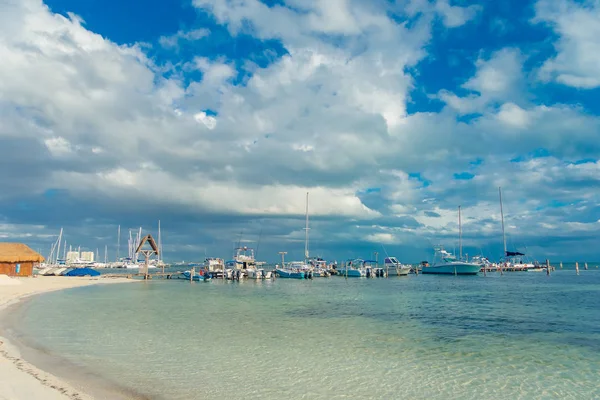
(521, 335)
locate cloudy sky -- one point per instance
(218, 116)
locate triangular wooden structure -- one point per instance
(148, 238)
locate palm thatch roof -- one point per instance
(18, 252)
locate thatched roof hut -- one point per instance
(18, 259)
(18, 252)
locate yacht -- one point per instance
(393, 267)
(447, 264)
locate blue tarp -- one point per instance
(83, 272)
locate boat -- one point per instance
(514, 260)
(195, 276)
(293, 270)
(393, 267)
(353, 269)
(298, 269)
(215, 267)
(258, 273)
(316, 265)
(214, 264)
(484, 263)
(319, 267)
(445, 263)
(245, 262)
(538, 268)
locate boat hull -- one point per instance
(452, 269)
(289, 274)
(398, 271)
(352, 273)
(196, 277)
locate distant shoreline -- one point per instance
(30, 372)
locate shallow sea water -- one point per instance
(516, 336)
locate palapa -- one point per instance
(18, 253)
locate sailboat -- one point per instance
(297, 269)
(317, 266)
(447, 264)
(513, 260)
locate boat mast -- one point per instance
(58, 247)
(306, 255)
(502, 217)
(118, 242)
(159, 244)
(459, 235)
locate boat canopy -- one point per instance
(513, 254)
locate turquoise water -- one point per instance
(517, 336)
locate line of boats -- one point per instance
(244, 266)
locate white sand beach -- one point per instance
(19, 380)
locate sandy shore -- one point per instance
(20, 380)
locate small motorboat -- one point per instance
(195, 276)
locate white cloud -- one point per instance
(513, 115)
(455, 16)
(496, 79)
(58, 146)
(578, 49)
(172, 41)
(209, 121)
(385, 238)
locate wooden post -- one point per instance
(547, 267)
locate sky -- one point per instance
(216, 117)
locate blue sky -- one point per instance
(217, 117)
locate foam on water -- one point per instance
(520, 335)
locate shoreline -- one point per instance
(28, 372)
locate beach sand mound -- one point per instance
(6, 280)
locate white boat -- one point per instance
(294, 270)
(445, 263)
(536, 269)
(319, 267)
(514, 260)
(316, 265)
(214, 264)
(258, 273)
(393, 267)
(353, 269)
(244, 258)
